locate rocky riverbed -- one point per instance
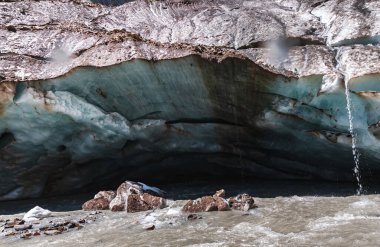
(56, 224)
(13, 229)
(131, 197)
(279, 221)
(323, 214)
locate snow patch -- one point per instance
(36, 213)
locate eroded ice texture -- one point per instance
(166, 120)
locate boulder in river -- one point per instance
(207, 203)
(136, 197)
(100, 203)
(217, 202)
(108, 195)
(137, 203)
(243, 202)
(130, 196)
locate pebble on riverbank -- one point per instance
(56, 225)
(40, 222)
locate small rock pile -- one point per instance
(130, 196)
(217, 202)
(28, 229)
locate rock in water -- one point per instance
(108, 195)
(203, 204)
(149, 227)
(131, 197)
(207, 204)
(222, 204)
(22, 227)
(243, 202)
(219, 193)
(135, 204)
(155, 202)
(36, 213)
(101, 201)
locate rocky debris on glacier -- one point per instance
(130, 196)
(217, 202)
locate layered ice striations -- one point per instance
(161, 91)
(164, 120)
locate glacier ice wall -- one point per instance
(164, 91)
(154, 120)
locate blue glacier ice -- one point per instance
(166, 120)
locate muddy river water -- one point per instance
(282, 220)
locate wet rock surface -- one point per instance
(152, 212)
(283, 221)
(107, 195)
(217, 202)
(243, 202)
(101, 201)
(96, 204)
(130, 196)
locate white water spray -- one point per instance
(355, 151)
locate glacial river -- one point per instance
(282, 220)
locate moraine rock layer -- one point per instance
(161, 90)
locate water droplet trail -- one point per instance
(355, 151)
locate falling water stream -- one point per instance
(355, 151)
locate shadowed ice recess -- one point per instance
(173, 119)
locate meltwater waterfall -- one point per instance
(355, 151)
